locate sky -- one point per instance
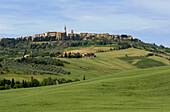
(148, 20)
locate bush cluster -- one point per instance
(8, 84)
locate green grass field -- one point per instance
(142, 62)
(93, 48)
(105, 63)
(163, 60)
(113, 84)
(114, 46)
(145, 90)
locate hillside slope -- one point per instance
(145, 90)
(103, 64)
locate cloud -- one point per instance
(154, 6)
(124, 16)
(3, 27)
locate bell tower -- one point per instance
(65, 29)
(72, 31)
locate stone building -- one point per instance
(58, 35)
(38, 35)
(28, 38)
(75, 36)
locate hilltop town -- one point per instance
(53, 35)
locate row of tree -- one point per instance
(37, 61)
(8, 84)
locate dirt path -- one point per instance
(135, 61)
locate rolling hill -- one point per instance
(144, 90)
(103, 64)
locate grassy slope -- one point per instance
(143, 62)
(160, 59)
(144, 90)
(92, 48)
(129, 52)
(105, 63)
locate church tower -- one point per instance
(65, 29)
(72, 31)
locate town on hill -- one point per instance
(101, 63)
(55, 36)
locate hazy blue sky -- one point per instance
(148, 20)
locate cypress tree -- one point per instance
(12, 84)
(4, 82)
(84, 78)
(26, 85)
(23, 83)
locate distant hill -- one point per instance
(91, 73)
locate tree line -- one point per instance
(9, 84)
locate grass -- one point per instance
(102, 65)
(93, 48)
(129, 52)
(114, 46)
(145, 90)
(163, 60)
(20, 77)
(142, 62)
(105, 63)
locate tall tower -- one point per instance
(72, 31)
(65, 29)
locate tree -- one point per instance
(4, 82)
(23, 83)
(84, 78)
(12, 84)
(34, 83)
(162, 47)
(69, 55)
(65, 55)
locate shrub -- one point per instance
(7, 86)
(76, 80)
(17, 86)
(150, 54)
(49, 81)
(2, 88)
(34, 83)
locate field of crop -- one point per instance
(163, 60)
(21, 77)
(142, 62)
(124, 52)
(145, 90)
(105, 63)
(93, 48)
